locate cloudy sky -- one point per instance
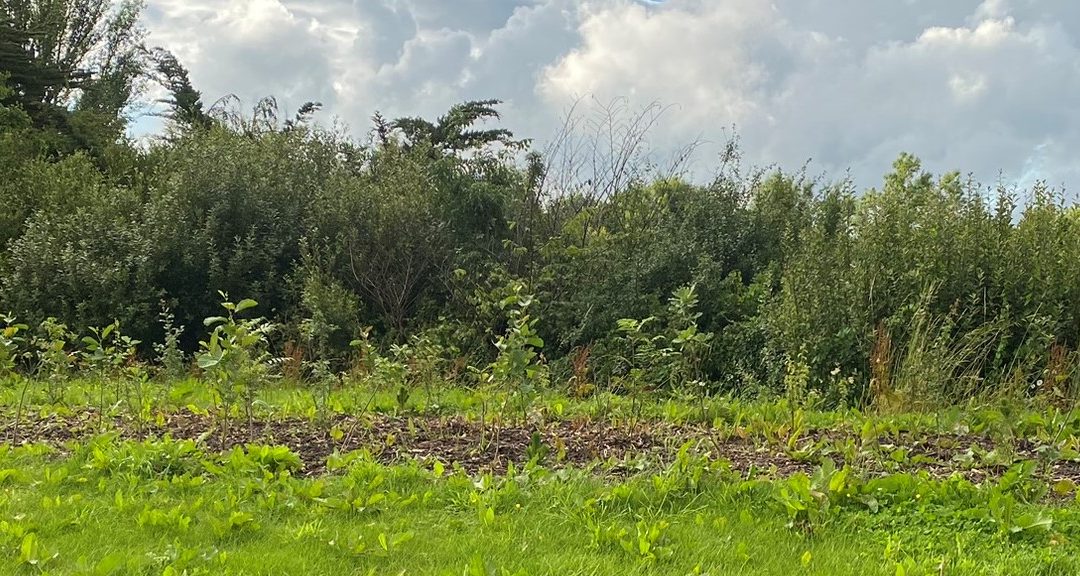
(988, 87)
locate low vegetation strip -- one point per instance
(111, 506)
(610, 446)
(474, 446)
(121, 475)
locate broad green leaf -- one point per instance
(109, 564)
(1064, 486)
(402, 538)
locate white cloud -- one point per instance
(990, 92)
(719, 63)
(250, 48)
(973, 85)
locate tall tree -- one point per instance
(73, 66)
(185, 103)
(454, 132)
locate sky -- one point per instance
(989, 88)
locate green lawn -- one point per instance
(112, 504)
(113, 507)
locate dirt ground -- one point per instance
(491, 446)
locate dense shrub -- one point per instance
(924, 285)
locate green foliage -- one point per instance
(669, 358)
(934, 271)
(647, 543)
(649, 360)
(236, 358)
(453, 133)
(185, 104)
(274, 460)
(169, 354)
(107, 350)
(807, 500)
(87, 263)
(396, 271)
(74, 66)
(332, 320)
(518, 364)
(925, 289)
(691, 343)
(55, 357)
(232, 213)
(179, 505)
(11, 343)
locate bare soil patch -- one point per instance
(477, 446)
(474, 445)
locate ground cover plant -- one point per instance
(603, 484)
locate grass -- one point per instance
(288, 398)
(110, 505)
(139, 508)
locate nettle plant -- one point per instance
(236, 359)
(518, 365)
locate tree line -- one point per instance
(418, 234)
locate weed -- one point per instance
(55, 360)
(11, 343)
(236, 357)
(169, 355)
(517, 365)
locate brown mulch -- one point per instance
(472, 445)
(477, 446)
(945, 454)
